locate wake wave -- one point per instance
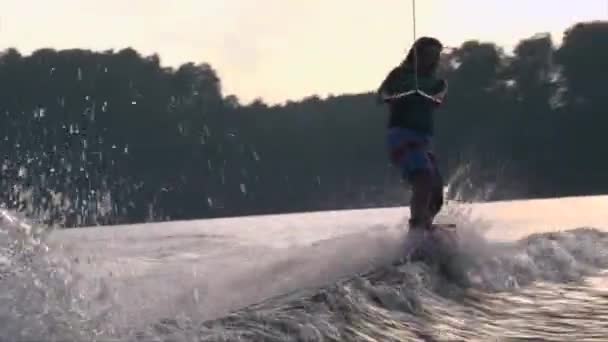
(532, 288)
(536, 287)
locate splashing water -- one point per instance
(530, 288)
(39, 299)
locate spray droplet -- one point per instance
(22, 172)
(39, 113)
(243, 189)
(195, 295)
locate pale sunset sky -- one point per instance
(283, 49)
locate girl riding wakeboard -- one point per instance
(413, 92)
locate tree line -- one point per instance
(115, 137)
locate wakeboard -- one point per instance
(444, 225)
